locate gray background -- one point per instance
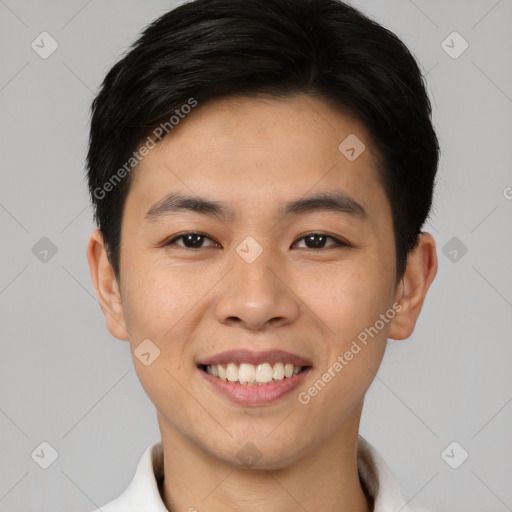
(66, 381)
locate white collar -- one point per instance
(143, 492)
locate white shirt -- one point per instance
(143, 492)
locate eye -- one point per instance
(191, 240)
(317, 241)
(194, 240)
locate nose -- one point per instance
(258, 294)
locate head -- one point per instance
(299, 124)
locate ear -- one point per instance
(412, 290)
(107, 288)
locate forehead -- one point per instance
(250, 153)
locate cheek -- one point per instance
(157, 310)
(351, 298)
(354, 349)
(156, 298)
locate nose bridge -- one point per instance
(255, 268)
(255, 292)
(253, 265)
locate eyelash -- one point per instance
(338, 242)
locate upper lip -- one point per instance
(239, 356)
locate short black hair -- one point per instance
(208, 49)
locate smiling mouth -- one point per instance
(249, 374)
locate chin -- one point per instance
(258, 451)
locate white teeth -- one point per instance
(278, 372)
(249, 374)
(232, 372)
(246, 373)
(264, 373)
(288, 370)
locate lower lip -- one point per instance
(254, 394)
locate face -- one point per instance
(256, 271)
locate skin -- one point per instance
(254, 155)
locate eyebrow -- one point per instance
(333, 201)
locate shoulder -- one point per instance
(143, 491)
(380, 483)
(120, 504)
(412, 506)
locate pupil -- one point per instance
(316, 244)
(194, 239)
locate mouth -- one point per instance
(250, 374)
(252, 379)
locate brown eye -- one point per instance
(318, 241)
(195, 240)
(192, 240)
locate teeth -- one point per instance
(249, 374)
(264, 373)
(278, 372)
(232, 372)
(246, 373)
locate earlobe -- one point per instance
(419, 274)
(106, 286)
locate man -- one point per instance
(260, 172)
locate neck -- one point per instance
(325, 478)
